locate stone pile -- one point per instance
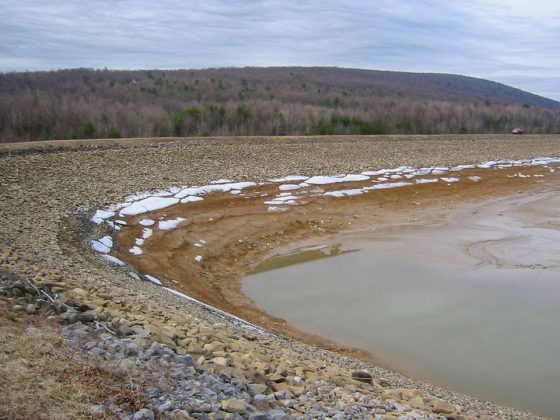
(183, 377)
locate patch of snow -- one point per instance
(107, 241)
(134, 275)
(288, 178)
(191, 199)
(99, 247)
(121, 222)
(475, 178)
(288, 187)
(277, 209)
(235, 192)
(146, 222)
(388, 185)
(152, 279)
(323, 180)
(486, 165)
(139, 241)
(135, 250)
(198, 258)
(345, 193)
(375, 173)
(147, 232)
(221, 181)
(426, 180)
(198, 245)
(113, 260)
(101, 215)
(207, 189)
(450, 179)
(148, 204)
(170, 224)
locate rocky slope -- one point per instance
(184, 360)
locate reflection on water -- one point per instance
(490, 330)
(298, 256)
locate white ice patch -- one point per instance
(283, 198)
(139, 242)
(450, 179)
(113, 260)
(486, 165)
(135, 250)
(207, 189)
(152, 279)
(146, 222)
(121, 222)
(462, 167)
(148, 204)
(426, 180)
(221, 181)
(191, 199)
(101, 215)
(277, 209)
(170, 224)
(198, 258)
(134, 275)
(475, 178)
(388, 185)
(375, 173)
(323, 180)
(345, 193)
(235, 192)
(99, 247)
(288, 178)
(288, 187)
(107, 241)
(147, 232)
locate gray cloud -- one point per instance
(504, 40)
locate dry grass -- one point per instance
(40, 378)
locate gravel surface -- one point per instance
(49, 192)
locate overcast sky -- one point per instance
(511, 41)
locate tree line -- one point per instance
(282, 101)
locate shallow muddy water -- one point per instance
(471, 302)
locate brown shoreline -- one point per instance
(243, 234)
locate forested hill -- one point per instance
(85, 103)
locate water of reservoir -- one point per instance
(488, 331)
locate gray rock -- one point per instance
(362, 376)
(31, 309)
(255, 389)
(258, 416)
(32, 330)
(277, 415)
(70, 317)
(132, 349)
(155, 349)
(97, 410)
(234, 405)
(143, 414)
(166, 406)
(186, 360)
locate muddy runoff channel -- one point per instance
(450, 275)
